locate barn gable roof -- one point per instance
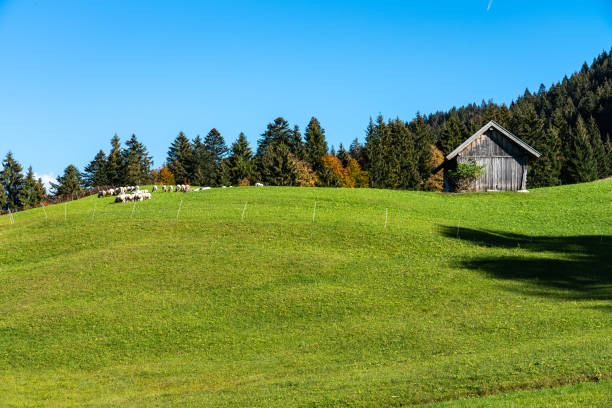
(500, 129)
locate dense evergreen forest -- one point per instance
(570, 123)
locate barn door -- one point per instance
(506, 173)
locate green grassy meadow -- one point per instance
(457, 298)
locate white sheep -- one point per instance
(258, 185)
(154, 189)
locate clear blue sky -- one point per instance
(73, 73)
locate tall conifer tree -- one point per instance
(33, 191)
(70, 182)
(315, 146)
(11, 178)
(452, 134)
(94, 174)
(115, 166)
(180, 159)
(138, 163)
(582, 165)
(240, 163)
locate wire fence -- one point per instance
(63, 198)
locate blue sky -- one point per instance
(74, 73)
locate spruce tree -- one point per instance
(608, 157)
(296, 144)
(315, 146)
(94, 174)
(240, 162)
(343, 155)
(546, 170)
(115, 166)
(581, 165)
(452, 134)
(357, 152)
(277, 132)
(180, 159)
(70, 182)
(423, 139)
(33, 191)
(138, 163)
(403, 171)
(599, 150)
(202, 165)
(11, 178)
(278, 166)
(375, 135)
(216, 150)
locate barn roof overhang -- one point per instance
(492, 124)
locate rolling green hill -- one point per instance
(458, 296)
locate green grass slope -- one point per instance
(595, 395)
(459, 296)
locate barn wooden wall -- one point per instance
(505, 163)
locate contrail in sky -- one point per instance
(490, 4)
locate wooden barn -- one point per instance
(503, 155)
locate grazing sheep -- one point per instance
(170, 189)
(258, 185)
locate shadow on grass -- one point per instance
(576, 267)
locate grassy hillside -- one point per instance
(133, 307)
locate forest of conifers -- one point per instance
(570, 123)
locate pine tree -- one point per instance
(277, 133)
(315, 146)
(374, 147)
(11, 178)
(357, 152)
(528, 126)
(403, 169)
(70, 182)
(423, 139)
(608, 157)
(94, 174)
(546, 170)
(240, 163)
(296, 144)
(180, 159)
(599, 150)
(278, 166)
(223, 173)
(33, 192)
(202, 165)
(216, 150)
(581, 165)
(343, 155)
(138, 163)
(452, 134)
(115, 166)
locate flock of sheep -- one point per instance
(134, 193)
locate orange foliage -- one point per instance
(163, 176)
(360, 177)
(435, 182)
(333, 163)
